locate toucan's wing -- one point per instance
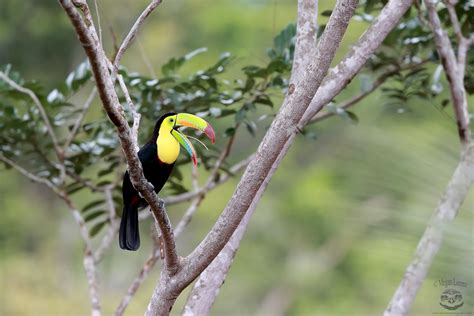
(148, 153)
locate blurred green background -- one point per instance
(336, 227)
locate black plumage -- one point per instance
(157, 173)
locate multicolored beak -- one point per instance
(193, 121)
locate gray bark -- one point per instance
(298, 98)
(430, 243)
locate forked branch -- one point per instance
(108, 95)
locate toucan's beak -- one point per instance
(193, 121)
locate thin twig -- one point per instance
(88, 262)
(296, 101)
(84, 182)
(186, 219)
(146, 60)
(453, 72)
(105, 85)
(40, 107)
(357, 98)
(463, 46)
(28, 174)
(155, 255)
(80, 119)
(138, 281)
(112, 229)
(190, 195)
(430, 243)
(99, 26)
(454, 18)
(132, 34)
(194, 179)
(136, 116)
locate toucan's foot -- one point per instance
(161, 203)
(151, 187)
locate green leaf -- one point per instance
(74, 187)
(284, 40)
(55, 96)
(78, 77)
(255, 72)
(96, 228)
(264, 99)
(326, 13)
(366, 83)
(229, 132)
(92, 205)
(173, 65)
(249, 84)
(352, 117)
(251, 127)
(94, 215)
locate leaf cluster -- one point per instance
(92, 158)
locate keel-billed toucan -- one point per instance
(157, 156)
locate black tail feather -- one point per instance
(129, 234)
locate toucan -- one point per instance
(157, 157)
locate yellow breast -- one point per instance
(168, 148)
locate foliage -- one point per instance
(341, 177)
(92, 156)
(410, 50)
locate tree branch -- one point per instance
(28, 174)
(430, 243)
(88, 261)
(454, 18)
(138, 281)
(155, 254)
(186, 219)
(381, 79)
(190, 195)
(453, 72)
(306, 31)
(99, 65)
(80, 119)
(206, 288)
(338, 77)
(136, 116)
(44, 116)
(298, 98)
(112, 229)
(132, 34)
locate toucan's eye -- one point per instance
(171, 120)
